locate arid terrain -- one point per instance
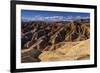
(55, 41)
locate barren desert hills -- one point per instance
(79, 51)
(55, 41)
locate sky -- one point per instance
(51, 15)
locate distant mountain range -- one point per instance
(55, 18)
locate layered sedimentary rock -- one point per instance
(38, 37)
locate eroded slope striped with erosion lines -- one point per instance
(65, 40)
